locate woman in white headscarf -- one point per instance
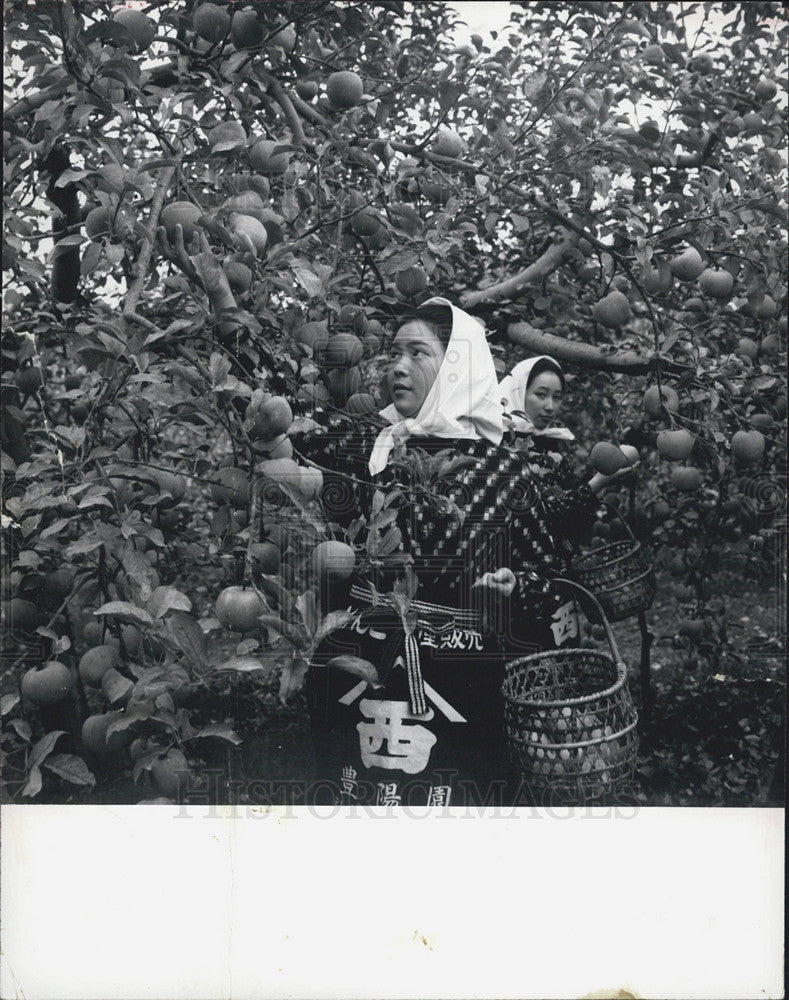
(531, 397)
(405, 703)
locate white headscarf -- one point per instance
(512, 390)
(464, 400)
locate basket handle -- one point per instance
(615, 510)
(608, 631)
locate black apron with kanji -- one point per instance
(377, 745)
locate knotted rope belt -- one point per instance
(436, 617)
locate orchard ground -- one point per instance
(713, 739)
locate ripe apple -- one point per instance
(766, 89)
(361, 402)
(180, 213)
(96, 662)
(675, 446)
(770, 345)
(761, 421)
(747, 348)
(266, 557)
(411, 281)
(273, 417)
(47, 684)
(447, 143)
(655, 399)
(267, 157)
(239, 609)
(285, 38)
(344, 383)
(716, 282)
(685, 478)
(239, 276)
(653, 55)
(211, 22)
(344, 89)
(307, 89)
(313, 336)
(688, 265)
(139, 26)
(169, 773)
(247, 30)
(365, 222)
(333, 561)
(747, 446)
(612, 310)
(607, 458)
(249, 232)
(311, 482)
(767, 308)
(231, 486)
(343, 350)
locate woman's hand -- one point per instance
(501, 582)
(599, 482)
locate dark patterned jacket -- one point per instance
(463, 508)
(569, 501)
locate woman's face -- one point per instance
(414, 360)
(543, 399)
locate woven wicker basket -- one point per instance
(570, 723)
(620, 575)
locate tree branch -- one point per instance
(587, 355)
(144, 257)
(291, 116)
(535, 272)
(33, 102)
(308, 112)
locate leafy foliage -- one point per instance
(595, 143)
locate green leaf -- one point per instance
(8, 703)
(308, 610)
(217, 731)
(165, 599)
(244, 664)
(358, 667)
(116, 689)
(292, 679)
(22, 729)
(309, 281)
(71, 768)
(44, 747)
(126, 612)
(34, 783)
(188, 635)
(331, 622)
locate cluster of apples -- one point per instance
(552, 727)
(269, 421)
(338, 358)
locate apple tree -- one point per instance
(214, 212)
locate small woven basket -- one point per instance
(620, 575)
(570, 723)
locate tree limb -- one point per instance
(33, 102)
(535, 272)
(308, 112)
(144, 257)
(291, 116)
(587, 355)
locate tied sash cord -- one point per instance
(416, 685)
